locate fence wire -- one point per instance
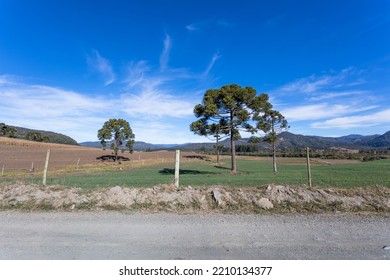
(157, 168)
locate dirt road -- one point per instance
(113, 235)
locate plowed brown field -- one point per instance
(16, 154)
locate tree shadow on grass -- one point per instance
(171, 171)
(206, 158)
(111, 158)
(222, 167)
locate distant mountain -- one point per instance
(352, 141)
(380, 141)
(356, 138)
(52, 136)
(138, 145)
(286, 140)
(91, 144)
(290, 140)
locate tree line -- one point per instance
(300, 152)
(9, 131)
(34, 135)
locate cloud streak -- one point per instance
(164, 57)
(103, 67)
(136, 73)
(157, 99)
(366, 120)
(50, 108)
(336, 95)
(80, 116)
(315, 85)
(215, 57)
(209, 23)
(322, 111)
(334, 100)
(151, 103)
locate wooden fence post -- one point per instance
(2, 170)
(177, 168)
(46, 166)
(32, 167)
(308, 167)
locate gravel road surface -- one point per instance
(114, 235)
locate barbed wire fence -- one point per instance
(30, 165)
(138, 167)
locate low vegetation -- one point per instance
(35, 135)
(199, 171)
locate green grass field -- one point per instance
(251, 173)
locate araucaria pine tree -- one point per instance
(272, 123)
(232, 109)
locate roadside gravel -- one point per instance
(122, 235)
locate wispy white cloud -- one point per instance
(366, 120)
(336, 95)
(313, 112)
(340, 100)
(322, 111)
(102, 66)
(159, 93)
(50, 108)
(225, 23)
(215, 57)
(315, 85)
(3, 80)
(163, 132)
(192, 27)
(151, 103)
(136, 73)
(199, 25)
(80, 116)
(164, 57)
(208, 23)
(157, 100)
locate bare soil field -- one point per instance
(17, 154)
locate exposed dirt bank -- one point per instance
(266, 199)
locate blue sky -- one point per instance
(68, 66)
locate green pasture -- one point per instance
(251, 173)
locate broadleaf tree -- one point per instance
(272, 123)
(232, 108)
(117, 131)
(36, 136)
(6, 130)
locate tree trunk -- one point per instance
(117, 143)
(273, 139)
(116, 157)
(218, 149)
(233, 147)
(274, 156)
